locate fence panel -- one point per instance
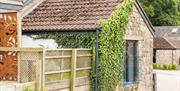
(68, 66)
(30, 66)
(54, 69)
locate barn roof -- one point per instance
(166, 43)
(68, 14)
(167, 31)
(62, 15)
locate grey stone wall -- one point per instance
(137, 30)
(168, 57)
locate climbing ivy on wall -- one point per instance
(112, 40)
(70, 40)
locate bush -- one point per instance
(173, 67)
(164, 67)
(30, 89)
(159, 66)
(27, 89)
(169, 67)
(155, 66)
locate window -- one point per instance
(154, 56)
(130, 72)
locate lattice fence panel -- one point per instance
(29, 66)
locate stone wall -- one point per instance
(168, 57)
(138, 30)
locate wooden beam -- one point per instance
(73, 70)
(43, 61)
(21, 49)
(58, 57)
(19, 29)
(54, 72)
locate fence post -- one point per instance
(43, 69)
(38, 73)
(73, 70)
(19, 66)
(19, 33)
(40, 77)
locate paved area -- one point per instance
(7, 85)
(2, 83)
(167, 80)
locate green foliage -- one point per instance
(155, 66)
(174, 67)
(164, 67)
(162, 12)
(112, 46)
(27, 89)
(70, 40)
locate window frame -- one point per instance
(135, 63)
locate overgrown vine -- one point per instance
(112, 46)
(70, 40)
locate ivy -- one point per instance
(112, 40)
(70, 40)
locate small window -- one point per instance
(154, 56)
(179, 61)
(130, 63)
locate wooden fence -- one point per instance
(67, 69)
(54, 69)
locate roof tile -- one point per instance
(68, 14)
(162, 43)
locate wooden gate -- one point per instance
(8, 38)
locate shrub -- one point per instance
(159, 66)
(169, 67)
(165, 67)
(27, 89)
(173, 67)
(155, 66)
(30, 89)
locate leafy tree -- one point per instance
(162, 12)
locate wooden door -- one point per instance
(8, 38)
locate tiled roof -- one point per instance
(162, 43)
(167, 31)
(167, 37)
(166, 43)
(174, 41)
(69, 14)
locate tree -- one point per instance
(162, 12)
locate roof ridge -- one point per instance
(170, 42)
(32, 5)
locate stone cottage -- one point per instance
(82, 16)
(167, 45)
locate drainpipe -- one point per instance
(97, 61)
